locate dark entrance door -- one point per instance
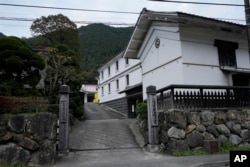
(132, 104)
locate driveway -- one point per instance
(103, 129)
(106, 140)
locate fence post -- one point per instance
(63, 143)
(153, 124)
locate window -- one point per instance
(126, 61)
(117, 65)
(226, 51)
(102, 91)
(109, 71)
(117, 84)
(102, 74)
(127, 80)
(109, 87)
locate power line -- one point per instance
(77, 22)
(61, 8)
(200, 3)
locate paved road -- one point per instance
(102, 130)
(95, 112)
(105, 140)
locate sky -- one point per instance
(22, 28)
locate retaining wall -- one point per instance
(28, 139)
(183, 130)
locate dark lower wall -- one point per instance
(120, 105)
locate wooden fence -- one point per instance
(203, 97)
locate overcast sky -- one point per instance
(22, 28)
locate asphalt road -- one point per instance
(95, 112)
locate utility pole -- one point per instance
(247, 11)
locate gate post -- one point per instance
(63, 144)
(153, 123)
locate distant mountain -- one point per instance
(99, 43)
(2, 35)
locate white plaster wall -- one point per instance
(132, 69)
(163, 76)
(200, 56)
(113, 72)
(161, 66)
(169, 50)
(198, 46)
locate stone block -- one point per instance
(176, 133)
(234, 115)
(11, 154)
(234, 128)
(17, 124)
(207, 117)
(195, 139)
(222, 139)
(220, 117)
(235, 139)
(26, 142)
(177, 145)
(46, 154)
(212, 129)
(194, 118)
(190, 128)
(45, 129)
(223, 129)
(177, 118)
(208, 136)
(6, 137)
(245, 135)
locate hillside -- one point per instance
(99, 43)
(2, 35)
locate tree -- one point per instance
(19, 66)
(57, 29)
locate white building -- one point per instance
(88, 91)
(120, 84)
(180, 48)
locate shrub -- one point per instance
(141, 111)
(54, 109)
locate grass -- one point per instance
(225, 149)
(230, 147)
(201, 151)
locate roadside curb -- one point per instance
(138, 136)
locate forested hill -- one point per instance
(2, 35)
(99, 43)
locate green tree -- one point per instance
(19, 66)
(57, 29)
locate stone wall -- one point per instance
(28, 139)
(187, 130)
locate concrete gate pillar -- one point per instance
(153, 123)
(63, 144)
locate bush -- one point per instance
(54, 109)
(141, 111)
(78, 113)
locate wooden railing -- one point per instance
(203, 97)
